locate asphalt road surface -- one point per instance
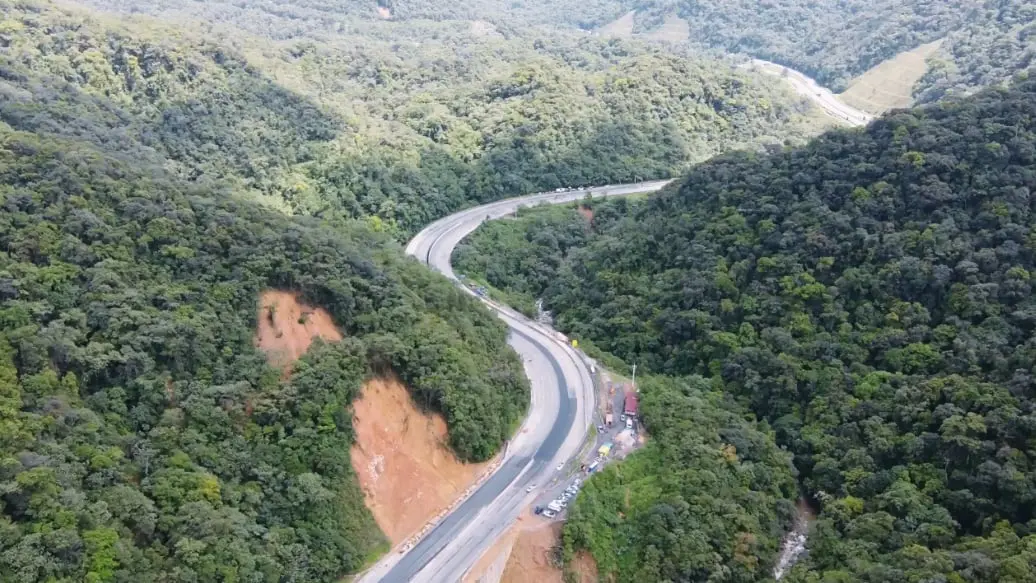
(822, 96)
(560, 413)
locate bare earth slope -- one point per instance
(530, 558)
(407, 473)
(287, 327)
(524, 553)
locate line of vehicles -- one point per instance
(558, 505)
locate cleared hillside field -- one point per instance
(890, 84)
(621, 27)
(674, 30)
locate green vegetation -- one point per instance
(709, 493)
(517, 267)
(869, 298)
(866, 299)
(522, 256)
(836, 40)
(142, 437)
(314, 19)
(399, 122)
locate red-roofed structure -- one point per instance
(630, 407)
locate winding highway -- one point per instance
(561, 410)
(560, 413)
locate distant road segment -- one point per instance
(822, 96)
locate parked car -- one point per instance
(549, 513)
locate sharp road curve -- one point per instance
(560, 413)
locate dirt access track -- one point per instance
(407, 473)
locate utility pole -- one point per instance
(634, 377)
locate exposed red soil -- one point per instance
(490, 566)
(530, 558)
(588, 213)
(287, 327)
(407, 473)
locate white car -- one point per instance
(530, 488)
(549, 513)
(560, 467)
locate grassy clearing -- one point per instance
(890, 84)
(621, 27)
(674, 30)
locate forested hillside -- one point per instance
(521, 257)
(142, 437)
(985, 42)
(315, 18)
(870, 298)
(402, 122)
(707, 499)
(982, 42)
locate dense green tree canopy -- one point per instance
(864, 302)
(707, 499)
(870, 297)
(983, 43)
(405, 122)
(142, 437)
